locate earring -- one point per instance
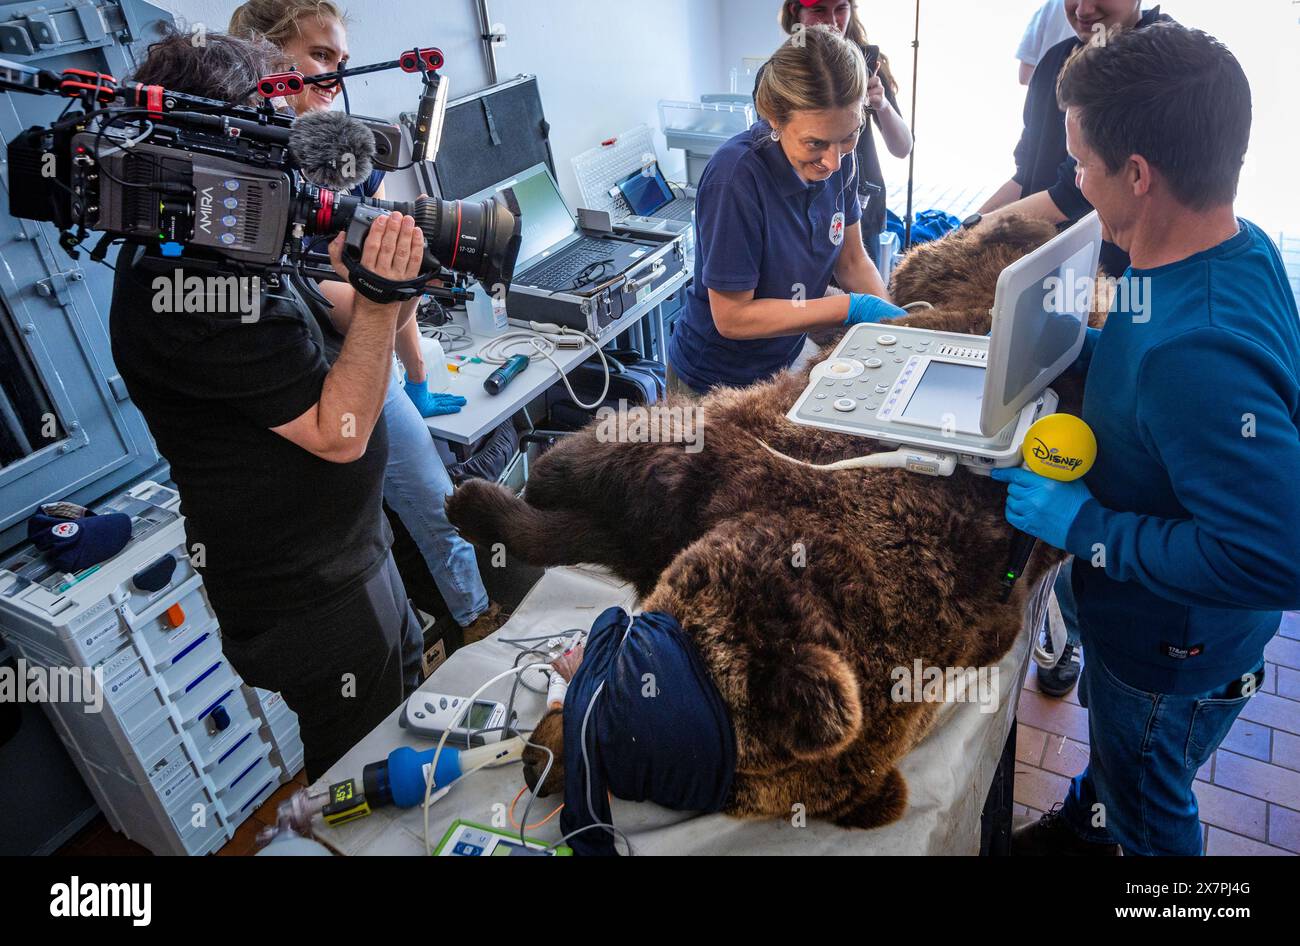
(776, 135)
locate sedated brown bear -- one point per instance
(802, 589)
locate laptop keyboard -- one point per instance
(679, 209)
(561, 272)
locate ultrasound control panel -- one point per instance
(914, 387)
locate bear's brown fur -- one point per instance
(803, 589)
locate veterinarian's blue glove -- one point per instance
(865, 308)
(1041, 507)
(432, 404)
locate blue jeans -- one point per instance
(1144, 752)
(1065, 598)
(416, 487)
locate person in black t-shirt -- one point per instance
(279, 457)
(1044, 184)
(314, 36)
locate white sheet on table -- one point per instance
(948, 774)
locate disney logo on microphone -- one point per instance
(1053, 457)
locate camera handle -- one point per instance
(371, 285)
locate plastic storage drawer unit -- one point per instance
(175, 748)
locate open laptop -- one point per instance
(653, 204)
(554, 254)
(971, 397)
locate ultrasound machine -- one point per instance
(948, 399)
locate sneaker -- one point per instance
(1060, 680)
(485, 624)
(1050, 836)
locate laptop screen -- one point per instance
(646, 190)
(545, 218)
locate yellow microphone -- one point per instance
(1060, 447)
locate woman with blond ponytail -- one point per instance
(777, 216)
(312, 34)
(882, 88)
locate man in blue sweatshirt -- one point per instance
(1186, 533)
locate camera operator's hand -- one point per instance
(394, 249)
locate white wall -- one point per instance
(602, 65)
(749, 30)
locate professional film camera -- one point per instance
(242, 189)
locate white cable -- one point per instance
(432, 766)
(905, 459)
(586, 760)
(127, 143)
(496, 350)
(541, 782)
(883, 461)
(532, 797)
(586, 768)
(452, 337)
(433, 763)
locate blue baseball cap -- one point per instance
(75, 538)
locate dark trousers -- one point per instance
(342, 670)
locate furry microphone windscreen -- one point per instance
(333, 149)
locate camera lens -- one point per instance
(478, 238)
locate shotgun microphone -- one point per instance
(332, 149)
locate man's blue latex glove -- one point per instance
(432, 404)
(1041, 507)
(865, 308)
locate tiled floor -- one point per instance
(1249, 791)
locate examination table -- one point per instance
(948, 774)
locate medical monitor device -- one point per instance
(971, 397)
(646, 190)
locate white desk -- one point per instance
(484, 412)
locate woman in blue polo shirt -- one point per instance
(777, 217)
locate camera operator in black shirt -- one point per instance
(278, 456)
